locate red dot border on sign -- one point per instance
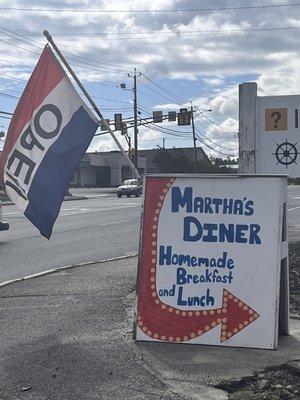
(152, 283)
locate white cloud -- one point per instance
(184, 47)
(214, 81)
(226, 102)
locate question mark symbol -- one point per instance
(276, 115)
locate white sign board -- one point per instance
(269, 133)
(209, 265)
(278, 135)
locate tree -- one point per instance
(168, 161)
(172, 161)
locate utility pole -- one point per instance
(194, 139)
(136, 155)
(135, 118)
(194, 134)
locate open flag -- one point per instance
(48, 135)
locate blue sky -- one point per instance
(186, 50)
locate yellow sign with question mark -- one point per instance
(275, 119)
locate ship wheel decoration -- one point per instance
(286, 153)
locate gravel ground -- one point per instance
(294, 250)
(273, 384)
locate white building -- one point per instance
(105, 169)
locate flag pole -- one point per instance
(96, 109)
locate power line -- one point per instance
(206, 138)
(94, 68)
(112, 100)
(163, 89)
(154, 11)
(216, 144)
(112, 84)
(164, 129)
(210, 147)
(154, 100)
(216, 125)
(8, 96)
(173, 131)
(28, 41)
(6, 112)
(155, 91)
(21, 38)
(13, 77)
(145, 109)
(16, 65)
(160, 34)
(116, 109)
(19, 47)
(165, 133)
(85, 65)
(207, 125)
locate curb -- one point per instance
(74, 197)
(66, 267)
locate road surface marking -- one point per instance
(91, 196)
(74, 211)
(85, 211)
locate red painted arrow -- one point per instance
(161, 321)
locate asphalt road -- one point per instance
(100, 227)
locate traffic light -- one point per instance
(184, 117)
(172, 116)
(118, 122)
(157, 116)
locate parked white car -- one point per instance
(130, 187)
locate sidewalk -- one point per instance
(68, 336)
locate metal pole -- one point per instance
(136, 155)
(194, 139)
(49, 38)
(247, 128)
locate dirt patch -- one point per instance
(278, 383)
(281, 383)
(294, 252)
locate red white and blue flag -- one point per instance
(49, 133)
